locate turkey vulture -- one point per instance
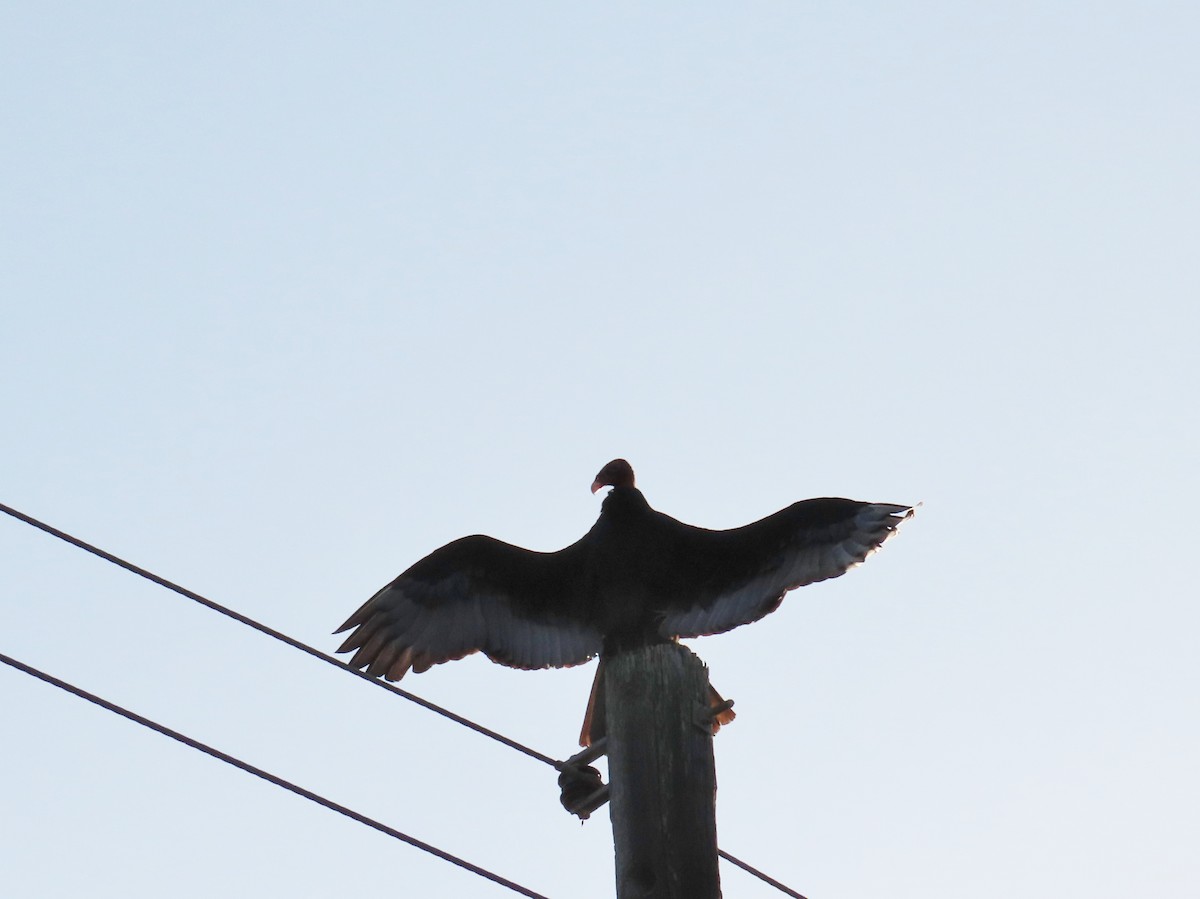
(637, 577)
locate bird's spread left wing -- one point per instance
(475, 594)
(738, 576)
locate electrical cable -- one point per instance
(266, 775)
(271, 632)
(759, 874)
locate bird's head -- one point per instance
(617, 473)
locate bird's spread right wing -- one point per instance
(737, 576)
(476, 594)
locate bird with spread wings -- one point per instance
(637, 577)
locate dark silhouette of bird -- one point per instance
(636, 578)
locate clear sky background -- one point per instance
(294, 295)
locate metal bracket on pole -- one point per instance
(583, 790)
(590, 754)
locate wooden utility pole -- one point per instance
(662, 775)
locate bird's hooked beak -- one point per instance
(616, 473)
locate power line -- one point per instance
(317, 654)
(759, 874)
(267, 776)
(271, 632)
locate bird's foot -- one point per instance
(710, 717)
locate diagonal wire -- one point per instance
(317, 654)
(267, 776)
(759, 874)
(271, 632)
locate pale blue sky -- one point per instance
(293, 296)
